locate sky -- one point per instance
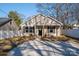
(25, 9)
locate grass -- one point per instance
(55, 38)
(2, 41)
(7, 44)
(7, 47)
(62, 38)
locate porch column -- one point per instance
(43, 31)
(59, 31)
(56, 31)
(35, 30)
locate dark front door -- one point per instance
(40, 32)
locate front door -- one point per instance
(40, 32)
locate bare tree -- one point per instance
(76, 12)
(62, 12)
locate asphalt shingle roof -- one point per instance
(4, 21)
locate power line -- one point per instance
(18, 14)
(3, 11)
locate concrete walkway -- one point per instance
(44, 48)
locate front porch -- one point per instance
(41, 30)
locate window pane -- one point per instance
(26, 27)
(31, 29)
(27, 30)
(51, 29)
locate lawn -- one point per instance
(9, 43)
(39, 47)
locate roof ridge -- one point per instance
(45, 16)
(53, 19)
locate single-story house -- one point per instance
(7, 24)
(40, 25)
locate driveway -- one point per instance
(44, 48)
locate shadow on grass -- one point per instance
(65, 49)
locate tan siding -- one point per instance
(40, 20)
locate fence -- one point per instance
(10, 34)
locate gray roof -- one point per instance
(4, 21)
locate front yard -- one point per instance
(8, 44)
(46, 48)
(31, 45)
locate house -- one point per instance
(7, 24)
(40, 25)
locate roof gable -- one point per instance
(41, 19)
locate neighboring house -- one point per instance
(7, 24)
(42, 25)
(76, 26)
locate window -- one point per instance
(30, 29)
(26, 29)
(51, 29)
